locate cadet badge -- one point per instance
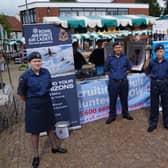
(63, 35)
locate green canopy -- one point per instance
(73, 22)
(95, 36)
(109, 21)
(100, 21)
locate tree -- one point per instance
(5, 24)
(154, 8)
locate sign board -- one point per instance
(55, 46)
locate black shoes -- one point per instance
(151, 129)
(110, 120)
(36, 162)
(58, 150)
(127, 116)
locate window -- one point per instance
(65, 12)
(31, 16)
(122, 11)
(112, 11)
(92, 11)
(117, 11)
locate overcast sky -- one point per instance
(9, 7)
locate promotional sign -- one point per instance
(94, 100)
(165, 43)
(55, 46)
(64, 98)
(53, 43)
(160, 29)
(139, 91)
(42, 35)
(160, 25)
(136, 53)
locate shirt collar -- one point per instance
(32, 72)
(113, 55)
(156, 60)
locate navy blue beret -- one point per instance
(34, 55)
(159, 47)
(117, 43)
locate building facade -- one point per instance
(15, 27)
(35, 11)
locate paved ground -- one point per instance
(123, 144)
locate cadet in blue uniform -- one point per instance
(34, 88)
(158, 70)
(118, 66)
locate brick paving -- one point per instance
(123, 144)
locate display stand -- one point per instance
(7, 100)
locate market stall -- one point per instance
(55, 46)
(100, 21)
(133, 30)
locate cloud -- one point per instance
(10, 7)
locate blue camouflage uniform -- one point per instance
(118, 82)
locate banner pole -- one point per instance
(10, 81)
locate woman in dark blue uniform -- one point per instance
(158, 71)
(34, 88)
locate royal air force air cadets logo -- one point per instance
(63, 35)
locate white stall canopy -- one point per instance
(100, 21)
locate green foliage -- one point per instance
(154, 8)
(5, 24)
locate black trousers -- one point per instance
(159, 91)
(118, 88)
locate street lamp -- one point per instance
(27, 12)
